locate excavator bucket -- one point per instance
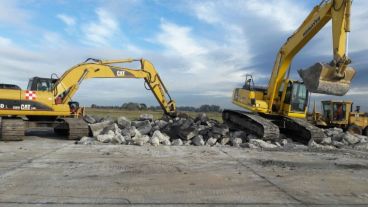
(321, 78)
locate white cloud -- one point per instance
(100, 33)
(178, 39)
(5, 41)
(12, 14)
(68, 20)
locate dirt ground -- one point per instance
(49, 171)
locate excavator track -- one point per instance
(11, 129)
(74, 128)
(302, 130)
(258, 125)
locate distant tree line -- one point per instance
(131, 106)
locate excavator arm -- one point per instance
(68, 84)
(333, 78)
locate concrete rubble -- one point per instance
(202, 131)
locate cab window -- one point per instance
(339, 111)
(299, 97)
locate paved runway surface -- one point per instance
(54, 172)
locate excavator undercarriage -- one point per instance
(269, 127)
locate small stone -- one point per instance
(236, 142)
(313, 144)
(198, 140)
(187, 142)
(86, 140)
(177, 142)
(166, 142)
(89, 119)
(351, 139)
(211, 141)
(118, 139)
(146, 117)
(326, 141)
(284, 142)
(140, 139)
(225, 140)
(337, 144)
(123, 122)
(155, 141)
(262, 144)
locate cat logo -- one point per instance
(120, 73)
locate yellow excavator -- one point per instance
(283, 104)
(47, 102)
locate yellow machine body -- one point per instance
(341, 114)
(288, 97)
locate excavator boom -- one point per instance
(69, 82)
(333, 78)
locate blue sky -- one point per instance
(202, 49)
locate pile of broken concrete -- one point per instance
(199, 131)
(337, 138)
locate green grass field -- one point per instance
(133, 115)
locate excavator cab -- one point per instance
(326, 79)
(41, 84)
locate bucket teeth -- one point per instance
(321, 78)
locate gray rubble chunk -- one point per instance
(198, 140)
(106, 138)
(89, 119)
(337, 144)
(333, 131)
(187, 142)
(262, 144)
(224, 140)
(161, 136)
(166, 142)
(161, 123)
(86, 140)
(188, 133)
(315, 145)
(177, 142)
(211, 141)
(118, 139)
(351, 139)
(361, 146)
(155, 141)
(98, 127)
(221, 130)
(236, 142)
(326, 141)
(144, 117)
(144, 127)
(123, 122)
(140, 140)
